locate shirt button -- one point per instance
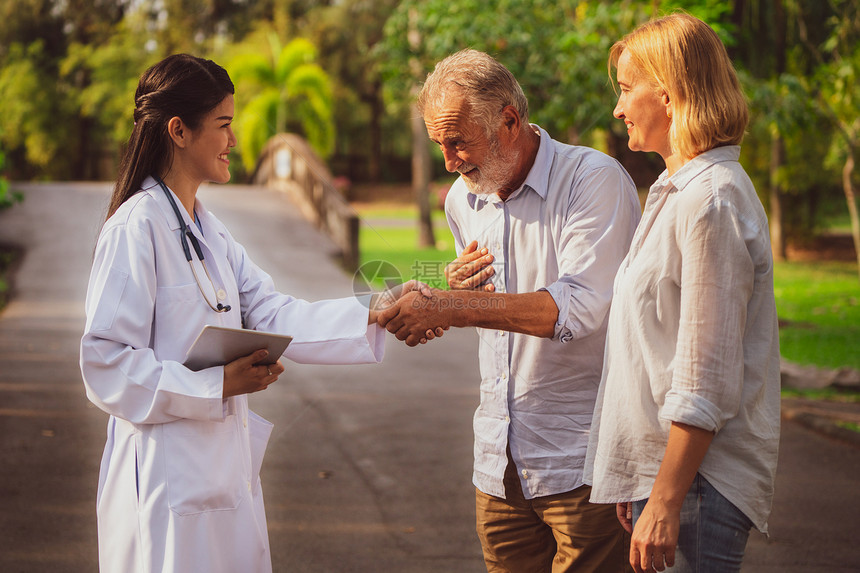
(222, 294)
(249, 486)
(507, 419)
(245, 422)
(525, 474)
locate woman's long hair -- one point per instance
(182, 86)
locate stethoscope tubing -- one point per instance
(185, 235)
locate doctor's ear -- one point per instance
(177, 131)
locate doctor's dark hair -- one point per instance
(182, 86)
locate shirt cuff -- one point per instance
(565, 327)
(688, 408)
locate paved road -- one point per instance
(368, 469)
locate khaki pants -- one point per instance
(557, 533)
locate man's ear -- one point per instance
(511, 122)
(177, 131)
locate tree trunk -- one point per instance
(420, 145)
(777, 235)
(421, 178)
(377, 109)
(848, 187)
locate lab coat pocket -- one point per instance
(203, 463)
(260, 430)
(174, 312)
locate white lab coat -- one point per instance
(179, 487)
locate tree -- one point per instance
(33, 109)
(105, 94)
(834, 89)
(345, 33)
(281, 88)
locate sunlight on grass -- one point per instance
(819, 310)
(398, 245)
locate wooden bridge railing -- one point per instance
(288, 164)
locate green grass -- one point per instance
(848, 426)
(819, 307)
(829, 393)
(398, 246)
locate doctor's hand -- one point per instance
(242, 377)
(471, 269)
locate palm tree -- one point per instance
(286, 90)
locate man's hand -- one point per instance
(389, 297)
(624, 513)
(471, 269)
(414, 317)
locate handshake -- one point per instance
(416, 313)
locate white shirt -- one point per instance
(565, 230)
(693, 338)
(179, 482)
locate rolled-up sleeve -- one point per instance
(599, 226)
(716, 284)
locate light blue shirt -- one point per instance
(566, 230)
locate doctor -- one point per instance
(179, 486)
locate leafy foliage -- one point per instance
(557, 49)
(7, 197)
(32, 108)
(279, 88)
(111, 70)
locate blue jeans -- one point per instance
(713, 532)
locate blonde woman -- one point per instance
(686, 427)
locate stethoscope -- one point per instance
(184, 236)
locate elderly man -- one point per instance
(542, 228)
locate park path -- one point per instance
(368, 469)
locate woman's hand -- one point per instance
(242, 377)
(652, 545)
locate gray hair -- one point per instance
(486, 85)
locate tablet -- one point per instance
(217, 345)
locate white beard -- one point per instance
(496, 172)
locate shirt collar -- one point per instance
(696, 165)
(151, 186)
(538, 177)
